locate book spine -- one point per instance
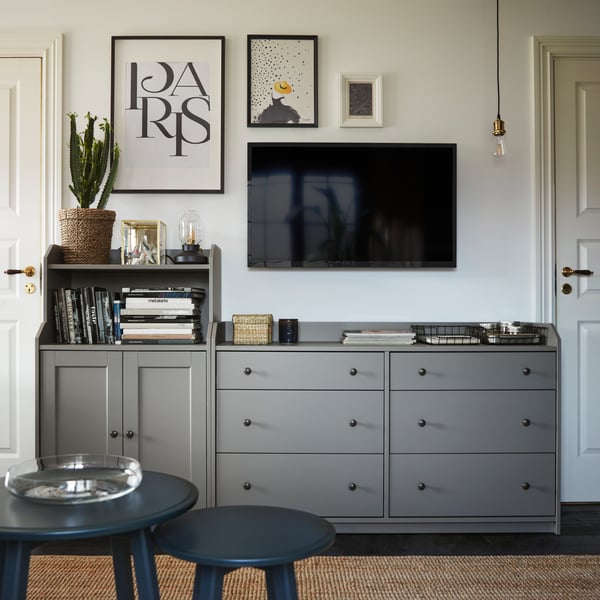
(117, 319)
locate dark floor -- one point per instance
(580, 534)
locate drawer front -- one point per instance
(299, 421)
(300, 370)
(467, 485)
(473, 421)
(472, 370)
(320, 484)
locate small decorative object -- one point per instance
(362, 100)
(288, 331)
(87, 234)
(252, 329)
(143, 242)
(190, 234)
(282, 81)
(74, 478)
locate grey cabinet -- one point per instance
(149, 402)
(301, 429)
(147, 405)
(418, 438)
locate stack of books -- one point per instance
(161, 315)
(401, 337)
(83, 315)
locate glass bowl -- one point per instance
(74, 478)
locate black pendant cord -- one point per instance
(498, 53)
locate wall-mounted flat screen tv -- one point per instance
(380, 205)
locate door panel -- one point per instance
(577, 148)
(20, 246)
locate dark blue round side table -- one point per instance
(225, 538)
(25, 524)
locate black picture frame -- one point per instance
(167, 113)
(282, 81)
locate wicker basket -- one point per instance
(86, 234)
(252, 329)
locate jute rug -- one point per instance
(345, 578)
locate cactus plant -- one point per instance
(88, 160)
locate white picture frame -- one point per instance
(361, 97)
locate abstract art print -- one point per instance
(282, 81)
(361, 100)
(167, 113)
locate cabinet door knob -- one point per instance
(526, 422)
(353, 423)
(421, 422)
(247, 371)
(114, 433)
(421, 486)
(247, 422)
(353, 371)
(526, 371)
(352, 486)
(247, 485)
(129, 434)
(422, 372)
(525, 485)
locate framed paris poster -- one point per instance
(167, 102)
(282, 81)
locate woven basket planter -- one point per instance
(86, 234)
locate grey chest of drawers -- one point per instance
(416, 438)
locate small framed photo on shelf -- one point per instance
(282, 81)
(361, 100)
(167, 107)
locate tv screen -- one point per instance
(351, 205)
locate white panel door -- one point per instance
(577, 148)
(20, 246)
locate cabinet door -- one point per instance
(80, 402)
(164, 412)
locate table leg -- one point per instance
(281, 582)
(145, 565)
(16, 570)
(121, 554)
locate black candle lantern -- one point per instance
(190, 234)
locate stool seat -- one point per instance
(225, 538)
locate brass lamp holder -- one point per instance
(498, 127)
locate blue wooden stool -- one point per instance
(222, 539)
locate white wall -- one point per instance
(438, 62)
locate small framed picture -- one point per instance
(282, 81)
(167, 107)
(361, 100)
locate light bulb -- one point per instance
(500, 149)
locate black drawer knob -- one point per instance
(247, 485)
(421, 422)
(353, 423)
(247, 422)
(352, 486)
(422, 372)
(129, 434)
(421, 486)
(353, 371)
(247, 371)
(525, 485)
(526, 371)
(526, 422)
(114, 433)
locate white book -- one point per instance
(190, 310)
(160, 302)
(126, 331)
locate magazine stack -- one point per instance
(161, 315)
(398, 337)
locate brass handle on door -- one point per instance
(27, 271)
(567, 272)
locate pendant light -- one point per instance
(498, 131)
